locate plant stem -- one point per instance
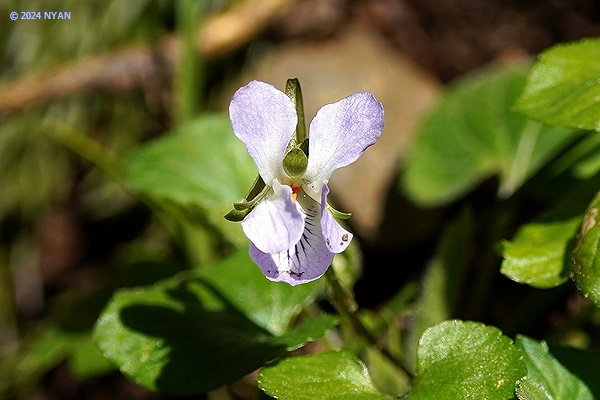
(114, 166)
(346, 306)
(89, 149)
(188, 79)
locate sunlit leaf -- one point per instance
(538, 254)
(68, 334)
(466, 360)
(200, 169)
(333, 375)
(546, 377)
(563, 87)
(474, 134)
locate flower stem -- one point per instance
(345, 304)
(294, 92)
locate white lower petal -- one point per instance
(277, 222)
(305, 261)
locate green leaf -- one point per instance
(546, 377)
(474, 134)
(387, 377)
(586, 255)
(200, 169)
(585, 364)
(269, 304)
(86, 360)
(538, 254)
(190, 334)
(49, 347)
(42, 353)
(563, 87)
(585, 156)
(333, 375)
(466, 360)
(443, 281)
(308, 331)
(181, 338)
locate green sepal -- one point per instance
(338, 214)
(237, 215)
(243, 208)
(256, 188)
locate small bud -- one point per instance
(295, 162)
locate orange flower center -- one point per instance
(295, 190)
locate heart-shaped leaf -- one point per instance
(466, 360)
(563, 87)
(473, 134)
(269, 304)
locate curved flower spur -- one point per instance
(293, 233)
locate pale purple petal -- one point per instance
(277, 222)
(336, 237)
(340, 133)
(303, 262)
(264, 118)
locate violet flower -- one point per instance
(293, 234)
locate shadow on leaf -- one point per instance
(192, 340)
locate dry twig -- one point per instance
(130, 67)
